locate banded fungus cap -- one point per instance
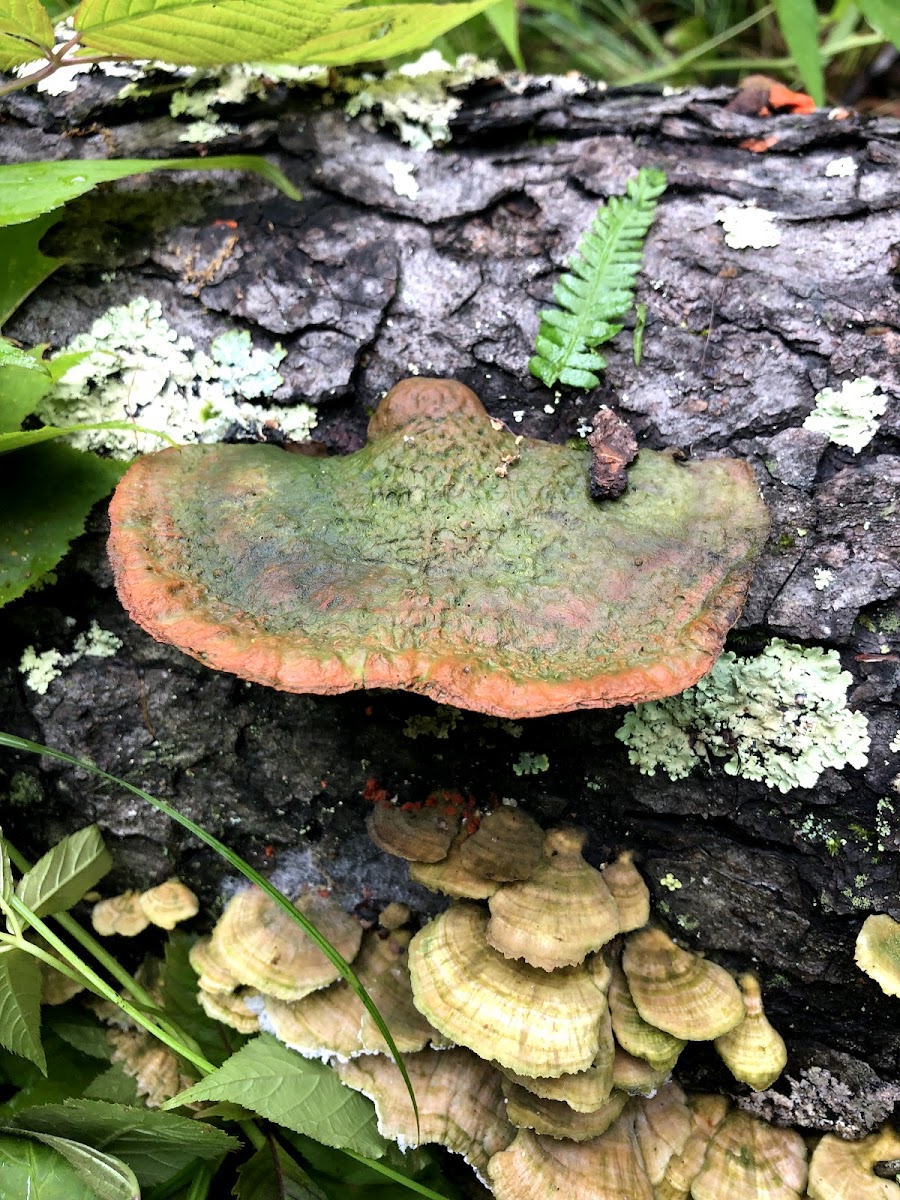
(707, 1114)
(633, 1033)
(635, 1075)
(506, 846)
(749, 1158)
(753, 1051)
(558, 916)
(839, 1169)
(663, 1125)
(583, 1091)
(231, 1008)
(631, 894)
(452, 876)
(416, 834)
(326, 575)
(119, 914)
(212, 974)
(878, 952)
(458, 1096)
(258, 943)
(168, 904)
(687, 996)
(555, 1118)
(534, 1022)
(608, 1167)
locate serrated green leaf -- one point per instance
(106, 1176)
(29, 189)
(80, 1030)
(303, 1095)
(799, 24)
(112, 1085)
(883, 16)
(598, 287)
(25, 30)
(20, 1005)
(271, 1174)
(60, 878)
(216, 32)
(31, 1169)
(46, 493)
(12, 356)
(154, 1144)
(68, 1073)
(22, 265)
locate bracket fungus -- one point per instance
(878, 952)
(753, 1051)
(845, 1170)
(326, 575)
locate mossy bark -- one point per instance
(363, 287)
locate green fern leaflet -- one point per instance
(600, 288)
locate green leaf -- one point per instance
(154, 1144)
(883, 16)
(59, 879)
(21, 391)
(20, 439)
(6, 879)
(22, 266)
(504, 19)
(46, 493)
(799, 24)
(12, 356)
(80, 1030)
(31, 1169)
(29, 189)
(20, 1005)
(271, 1174)
(215, 32)
(68, 1073)
(25, 29)
(179, 1001)
(106, 1176)
(303, 1095)
(598, 288)
(112, 1085)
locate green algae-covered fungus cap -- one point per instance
(445, 557)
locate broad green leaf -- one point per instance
(504, 18)
(24, 29)
(215, 32)
(22, 266)
(271, 1174)
(29, 189)
(106, 1176)
(68, 1073)
(60, 878)
(20, 1005)
(300, 1094)
(30, 1170)
(46, 492)
(112, 1085)
(799, 24)
(80, 1030)
(154, 1144)
(12, 356)
(179, 1001)
(21, 391)
(883, 16)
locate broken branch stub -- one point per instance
(412, 564)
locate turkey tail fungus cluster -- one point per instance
(412, 563)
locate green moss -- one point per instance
(531, 764)
(24, 791)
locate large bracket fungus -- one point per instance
(445, 557)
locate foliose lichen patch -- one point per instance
(780, 717)
(134, 366)
(40, 669)
(848, 417)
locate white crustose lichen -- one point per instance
(41, 669)
(848, 417)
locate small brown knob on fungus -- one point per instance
(331, 574)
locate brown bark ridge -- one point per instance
(363, 287)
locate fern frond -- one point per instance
(598, 287)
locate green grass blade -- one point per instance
(234, 860)
(799, 24)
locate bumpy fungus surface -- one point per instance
(327, 575)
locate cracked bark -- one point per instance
(362, 286)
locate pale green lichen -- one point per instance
(531, 764)
(894, 743)
(135, 366)
(884, 821)
(848, 417)
(748, 227)
(669, 882)
(402, 180)
(780, 717)
(440, 724)
(822, 577)
(41, 669)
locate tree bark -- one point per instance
(364, 287)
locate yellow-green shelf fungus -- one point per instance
(878, 952)
(780, 717)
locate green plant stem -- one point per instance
(38, 952)
(677, 65)
(857, 42)
(92, 980)
(254, 1135)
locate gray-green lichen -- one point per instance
(134, 366)
(40, 669)
(531, 764)
(780, 717)
(848, 417)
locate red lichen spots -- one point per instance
(373, 792)
(218, 550)
(224, 223)
(782, 99)
(269, 851)
(760, 96)
(759, 145)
